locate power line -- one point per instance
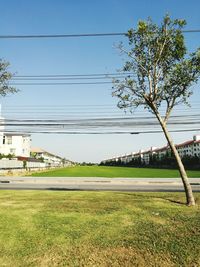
(190, 31)
(61, 77)
(83, 107)
(61, 117)
(65, 78)
(107, 132)
(69, 105)
(101, 123)
(191, 116)
(89, 111)
(73, 75)
(33, 36)
(53, 105)
(62, 35)
(97, 125)
(70, 83)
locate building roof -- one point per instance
(185, 143)
(188, 143)
(37, 150)
(16, 134)
(40, 150)
(161, 149)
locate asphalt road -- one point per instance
(98, 184)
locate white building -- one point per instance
(15, 144)
(188, 148)
(49, 158)
(2, 128)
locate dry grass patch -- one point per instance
(90, 257)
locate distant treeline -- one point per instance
(168, 161)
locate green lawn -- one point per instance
(100, 171)
(50, 228)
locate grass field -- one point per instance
(101, 171)
(50, 228)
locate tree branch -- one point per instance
(128, 54)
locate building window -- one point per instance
(12, 151)
(9, 140)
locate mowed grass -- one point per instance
(50, 228)
(101, 171)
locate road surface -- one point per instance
(96, 183)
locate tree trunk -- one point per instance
(183, 174)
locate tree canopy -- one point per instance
(161, 70)
(5, 77)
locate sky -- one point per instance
(81, 56)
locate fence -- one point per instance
(6, 164)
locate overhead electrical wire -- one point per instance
(70, 83)
(94, 112)
(87, 117)
(97, 125)
(113, 132)
(61, 118)
(106, 124)
(81, 35)
(61, 35)
(83, 108)
(73, 79)
(102, 123)
(73, 75)
(64, 78)
(188, 116)
(196, 102)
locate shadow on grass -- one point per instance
(175, 201)
(151, 195)
(136, 195)
(180, 202)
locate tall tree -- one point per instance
(5, 77)
(162, 75)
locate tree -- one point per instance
(5, 76)
(162, 75)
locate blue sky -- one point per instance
(81, 56)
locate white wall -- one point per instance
(19, 145)
(17, 164)
(2, 128)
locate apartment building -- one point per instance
(49, 158)
(188, 148)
